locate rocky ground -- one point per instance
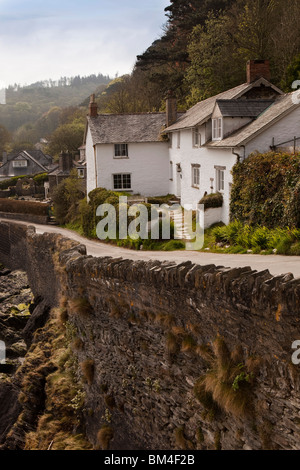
(15, 305)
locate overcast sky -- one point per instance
(41, 40)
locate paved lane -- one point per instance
(276, 264)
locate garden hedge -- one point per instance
(266, 190)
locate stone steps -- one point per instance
(180, 227)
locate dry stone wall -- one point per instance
(173, 356)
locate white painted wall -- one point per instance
(187, 155)
(285, 129)
(148, 164)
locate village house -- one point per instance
(130, 153)
(26, 162)
(63, 169)
(127, 152)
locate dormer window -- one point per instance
(19, 163)
(217, 129)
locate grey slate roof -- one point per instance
(125, 128)
(282, 106)
(203, 110)
(243, 108)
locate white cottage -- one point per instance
(216, 133)
(127, 152)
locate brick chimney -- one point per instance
(93, 107)
(65, 161)
(257, 69)
(171, 109)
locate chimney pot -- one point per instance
(93, 107)
(257, 69)
(171, 109)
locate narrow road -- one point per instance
(276, 264)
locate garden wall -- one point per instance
(151, 330)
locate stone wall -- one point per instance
(146, 332)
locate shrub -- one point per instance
(212, 201)
(266, 190)
(24, 207)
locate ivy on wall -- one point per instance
(266, 190)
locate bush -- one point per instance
(212, 201)
(38, 179)
(23, 207)
(266, 190)
(241, 237)
(66, 197)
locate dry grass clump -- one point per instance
(172, 343)
(104, 436)
(80, 306)
(63, 396)
(180, 440)
(188, 344)
(77, 344)
(110, 401)
(88, 370)
(164, 319)
(228, 382)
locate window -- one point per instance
(122, 181)
(20, 163)
(217, 129)
(196, 137)
(80, 173)
(196, 176)
(171, 171)
(220, 178)
(121, 150)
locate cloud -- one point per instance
(52, 39)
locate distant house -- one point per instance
(129, 152)
(63, 170)
(26, 162)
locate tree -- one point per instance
(5, 138)
(66, 197)
(67, 137)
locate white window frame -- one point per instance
(195, 175)
(122, 188)
(20, 163)
(217, 128)
(196, 137)
(220, 178)
(120, 150)
(80, 173)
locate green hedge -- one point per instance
(212, 200)
(23, 207)
(266, 190)
(39, 180)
